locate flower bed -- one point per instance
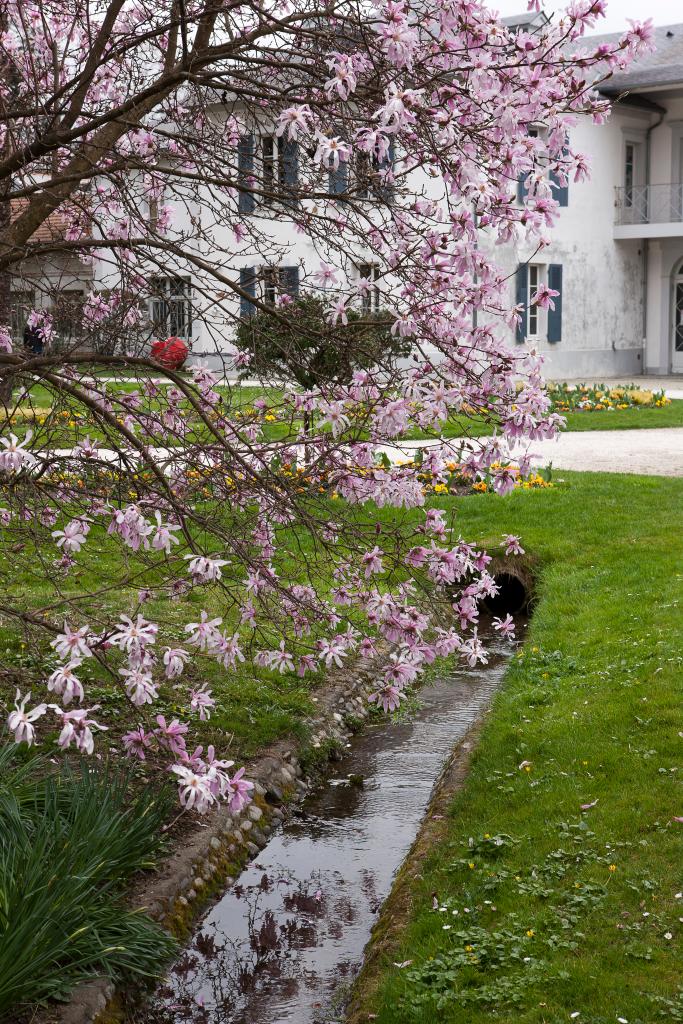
(603, 398)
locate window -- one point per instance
(21, 305)
(370, 298)
(280, 169)
(367, 169)
(171, 307)
(269, 284)
(533, 322)
(279, 281)
(67, 311)
(629, 172)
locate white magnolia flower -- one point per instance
(20, 721)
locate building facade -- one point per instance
(616, 254)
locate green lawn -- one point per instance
(564, 914)
(616, 419)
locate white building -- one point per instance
(616, 254)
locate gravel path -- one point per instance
(656, 452)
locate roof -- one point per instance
(52, 229)
(529, 19)
(662, 66)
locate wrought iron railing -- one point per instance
(649, 204)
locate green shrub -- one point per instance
(68, 842)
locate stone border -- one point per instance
(208, 860)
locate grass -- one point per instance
(68, 843)
(544, 910)
(615, 419)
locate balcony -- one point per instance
(649, 211)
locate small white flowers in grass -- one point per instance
(20, 721)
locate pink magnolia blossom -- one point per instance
(172, 735)
(72, 643)
(136, 742)
(202, 701)
(512, 545)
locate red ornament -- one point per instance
(171, 353)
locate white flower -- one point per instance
(204, 634)
(194, 789)
(134, 635)
(77, 728)
(203, 702)
(65, 682)
(72, 643)
(72, 537)
(163, 538)
(139, 686)
(20, 720)
(203, 569)
(174, 659)
(15, 456)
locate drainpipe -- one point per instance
(662, 111)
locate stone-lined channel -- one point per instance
(286, 941)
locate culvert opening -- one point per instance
(513, 596)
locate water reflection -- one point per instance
(284, 943)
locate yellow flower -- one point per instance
(613, 867)
(469, 949)
(530, 933)
(471, 865)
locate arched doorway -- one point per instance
(677, 321)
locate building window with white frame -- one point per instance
(171, 307)
(370, 296)
(21, 305)
(280, 169)
(535, 279)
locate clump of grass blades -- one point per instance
(68, 842)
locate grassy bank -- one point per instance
(545, 912)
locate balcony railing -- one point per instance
(649, 204)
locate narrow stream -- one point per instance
(285, 943)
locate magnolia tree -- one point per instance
(160, 531)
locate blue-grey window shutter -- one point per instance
(386, 163)
(248, 285)
(245, 169)
(289, 169)
(289, 280)
(339, 179)
(560, 192)
(521, 188)
(555, 315)
(522, 298)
